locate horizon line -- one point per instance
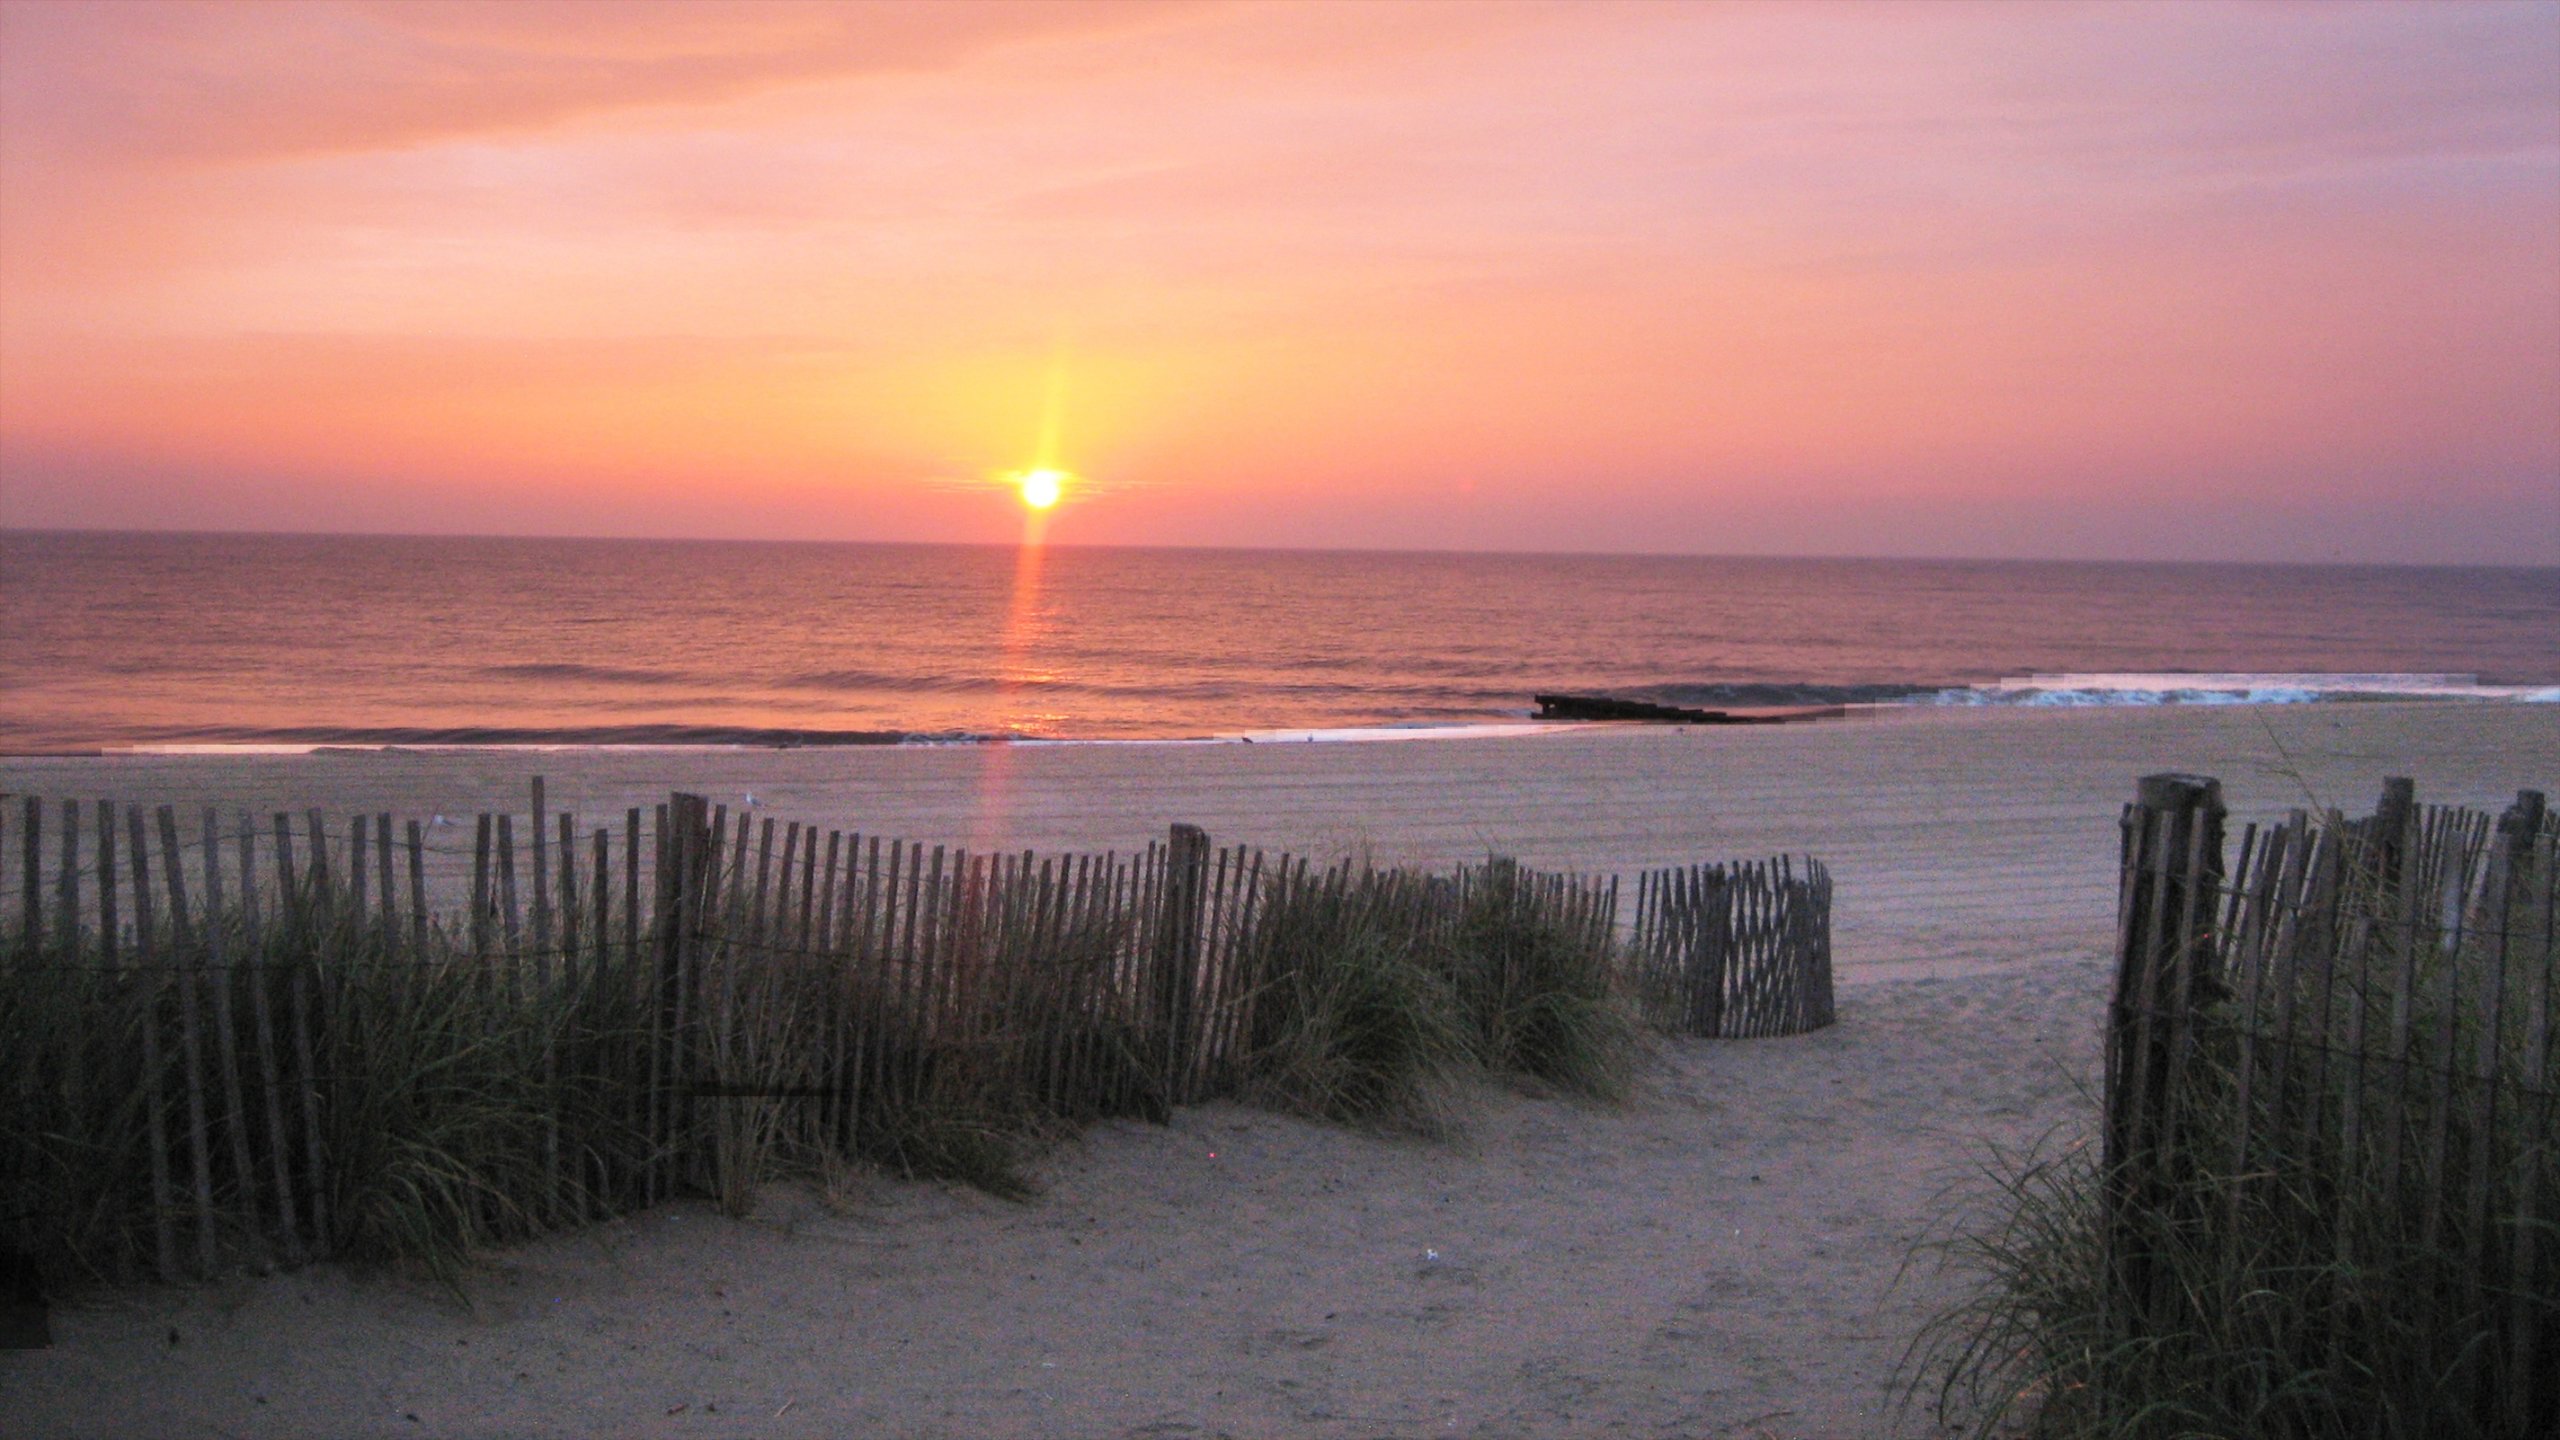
(552, 537)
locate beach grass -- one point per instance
(1359, 1025)
(413, 1093)
(449, 1104)
(2336, 1241)
(1542, 999)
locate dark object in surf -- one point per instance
(23, 1320)
(1603, 707)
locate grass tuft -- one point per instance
(1540, 999)
(1358, 1026)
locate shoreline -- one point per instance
(2468, 693)
(1711, 705)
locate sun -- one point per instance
(1041, 488)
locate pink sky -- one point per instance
(2251, 282)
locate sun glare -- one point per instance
(1041, 488)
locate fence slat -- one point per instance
(387, 906)
(74, 1038)
(480, 888)
(357, 875)
(110, 933)
(417, 887)
(303, 1018)
(31, 852)
(185, 971)
(324, 883)
(66, 897)
(223, 976)
(262, 1019)
(808, 888)
(541, 883)
(148, 977)
(660, 1002)
(510, 917)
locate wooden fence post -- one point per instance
(417, 888)
(262, 1016)
(1714, 951)
(480, 890)
(382, 848)
(31, 911)
(226, 1035)
(146, 949)
(2172, 874)
(66, 917)
(185, 969)
(1177, 951)
(541, 884)
(2389, 833)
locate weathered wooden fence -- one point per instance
(2330, 1058)
(679, 995)
(1735, 950)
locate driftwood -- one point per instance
(1603, 707)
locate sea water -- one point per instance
(141, 640)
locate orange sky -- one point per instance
(2275, 281)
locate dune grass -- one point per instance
(452, 1100)
(1388, 992)
(1540, 1000)
(2365, 1249)
(1357, 1024)
(449, 1105)
(2297, 1299)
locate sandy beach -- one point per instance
(1719, 1257)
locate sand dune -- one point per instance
(1717, 1258)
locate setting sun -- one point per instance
(1041, 488)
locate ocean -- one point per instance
(121, 641)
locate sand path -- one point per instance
(1718, 1258)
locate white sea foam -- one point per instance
(2234, 688)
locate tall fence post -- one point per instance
(2393, 817)
(1177, 957)
(2172, 872)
